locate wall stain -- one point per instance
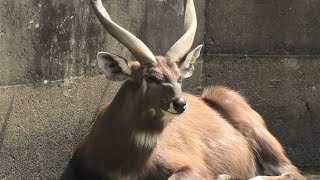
(6, 123)
(93, 29)
(67, 41)
(47, 46)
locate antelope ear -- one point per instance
(187, 64)
(113, 66)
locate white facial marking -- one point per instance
(172, 110)
(153, 112)
(145, 139)
(144, 86)
(167, 84)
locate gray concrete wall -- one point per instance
(50, 86)
(263, 27)
(270, 52)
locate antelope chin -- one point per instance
(172, 111)
(168, 116)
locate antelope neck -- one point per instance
(125, 134)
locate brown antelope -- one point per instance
(147, 131)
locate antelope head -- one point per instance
(159, 77)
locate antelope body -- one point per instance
(145, 132)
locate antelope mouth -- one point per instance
(177, 109)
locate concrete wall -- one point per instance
(50, 87)
(270, 52)
(263, 27)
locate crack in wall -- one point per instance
(6, 123)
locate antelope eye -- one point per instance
(179, 80)
(152, 79)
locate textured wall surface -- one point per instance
(51, 88)
(270, 52)
(263, 27)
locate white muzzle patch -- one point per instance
(173, 111)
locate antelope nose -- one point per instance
(179, 105)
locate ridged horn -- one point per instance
(183, 45)
(138, 49)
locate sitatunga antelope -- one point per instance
(153, 130)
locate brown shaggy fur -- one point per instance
(134, 137)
